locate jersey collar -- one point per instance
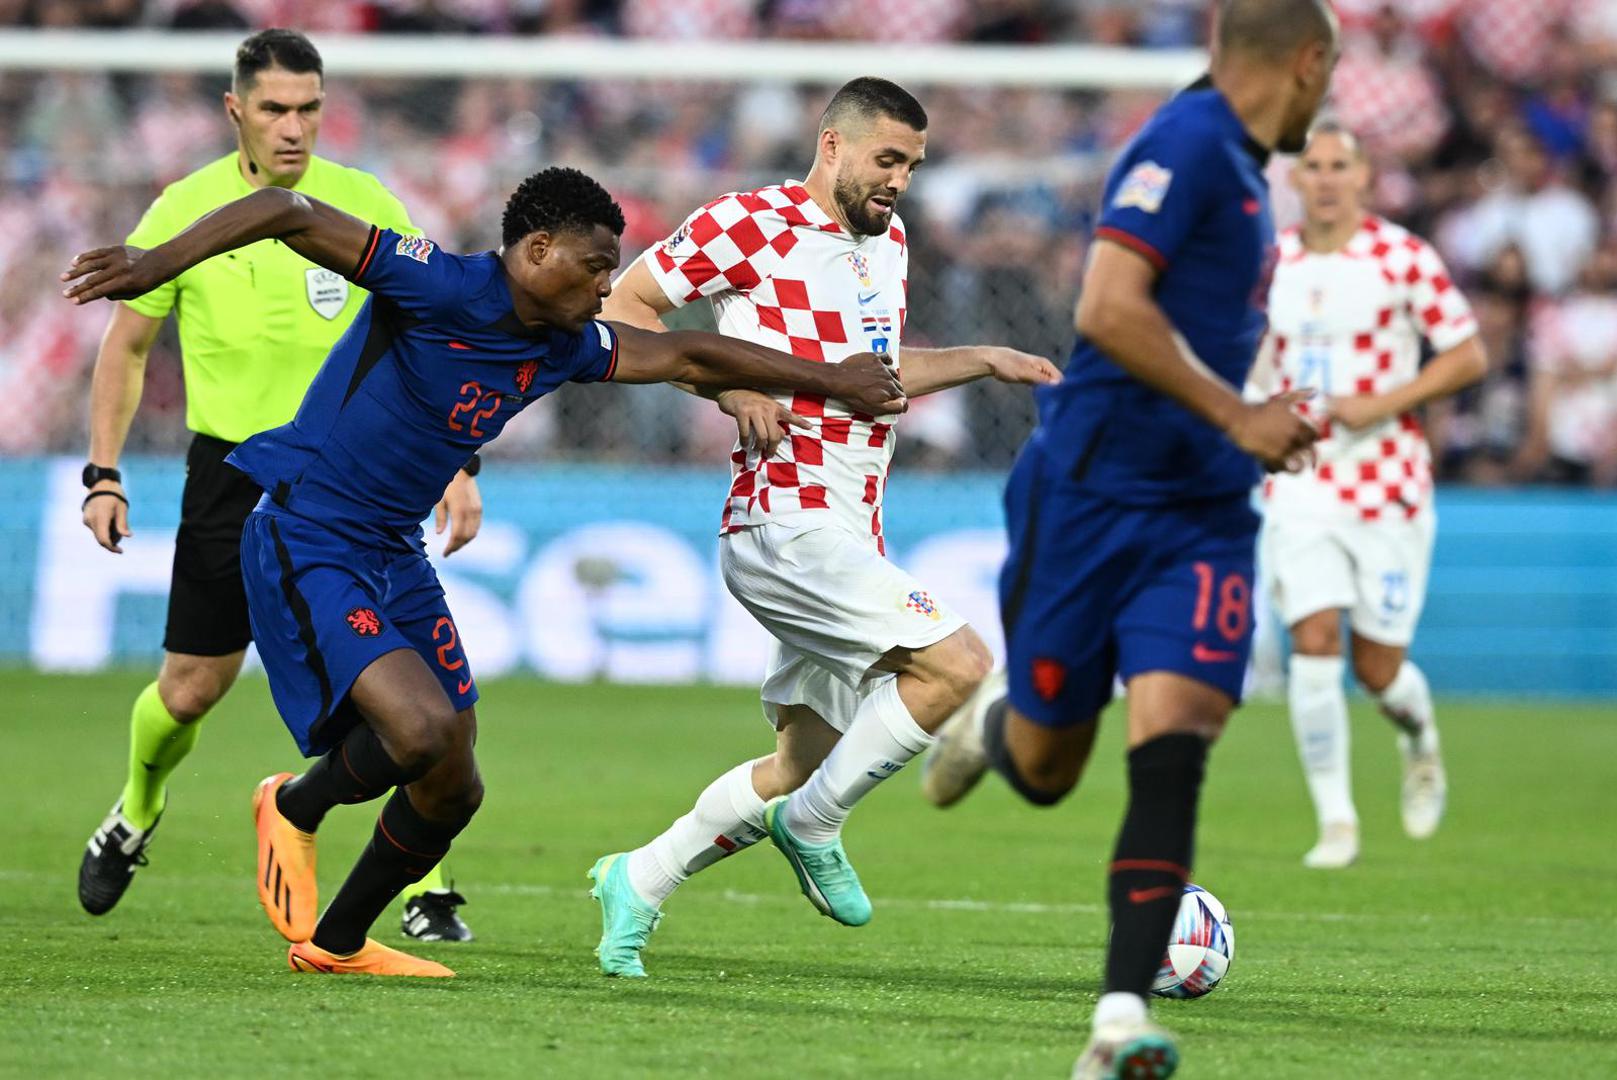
(1253, 147)
(810, 209)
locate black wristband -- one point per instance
(98, 494)
(93, 474)
(473, 466)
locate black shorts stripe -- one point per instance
(300, 611)
(1024, 558)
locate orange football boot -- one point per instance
(373, 958)
(286, 884)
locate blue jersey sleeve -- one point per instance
(415, 273)
(591, 355)
(1158, 190)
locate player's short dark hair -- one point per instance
(284, 49)
(869, 98)
(558, 200)
(1273, 29)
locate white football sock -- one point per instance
(1319, 719)
(881, 739)
(1407, 701)
(727, 817)
(1119, 1007)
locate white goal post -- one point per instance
(1077, 67)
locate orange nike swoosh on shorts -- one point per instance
(1203, 655)
(462, 687)
(373, 958)
(286, 859)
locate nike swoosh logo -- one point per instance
(864, 299)
(1203, 655)
(462, 687)
(1145, 896)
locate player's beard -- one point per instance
(853, 201)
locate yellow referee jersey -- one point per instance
(256, 323)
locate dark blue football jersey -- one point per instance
(1188, 194)
(432, 367)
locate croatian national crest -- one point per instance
(327, 291)
(861, 267)
(416, 247)
(921, 603)
(364, 621)
(525, 373)
(1143, 187)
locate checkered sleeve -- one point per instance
(731, 243)
(1437, 307)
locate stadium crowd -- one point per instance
(1492, 125)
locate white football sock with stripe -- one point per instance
(727, 817)
(1319, 720)
(1407, 701)
(881, 740)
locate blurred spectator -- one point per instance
(1385, 94)
(1528, 207)
(1492, 125)
(1572, 413)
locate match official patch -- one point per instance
(416, 247)
(1143, 187)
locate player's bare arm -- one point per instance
(761, 421)
(926, 371)
(1117, 313)
(637, 299)
(318, 231)
(711, 360)
(1448, 373)
(115, 388)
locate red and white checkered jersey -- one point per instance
(781, 273)
(1351, 322)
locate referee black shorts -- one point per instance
(207, 605)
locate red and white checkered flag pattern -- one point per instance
(779, 273)
(1351, 323)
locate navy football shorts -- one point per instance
(324, 608)
(1093, 589)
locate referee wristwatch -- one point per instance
(94, 474)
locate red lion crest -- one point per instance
(364, 621)
(525, 373)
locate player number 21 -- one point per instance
(1234, 602)
(479, 403)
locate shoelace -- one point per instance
(837, 870)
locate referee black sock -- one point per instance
(1153, 857)
(404, 847)
(357, 770)
(1000, 760)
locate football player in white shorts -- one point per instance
(867, 661)
(1354, 297)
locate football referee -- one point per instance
(255, 325)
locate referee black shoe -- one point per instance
(431, 916)
(114, 852)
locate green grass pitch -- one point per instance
(1486, 952)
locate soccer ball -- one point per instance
(1200, 948)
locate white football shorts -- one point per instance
(1374, 570)
(834, 606)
